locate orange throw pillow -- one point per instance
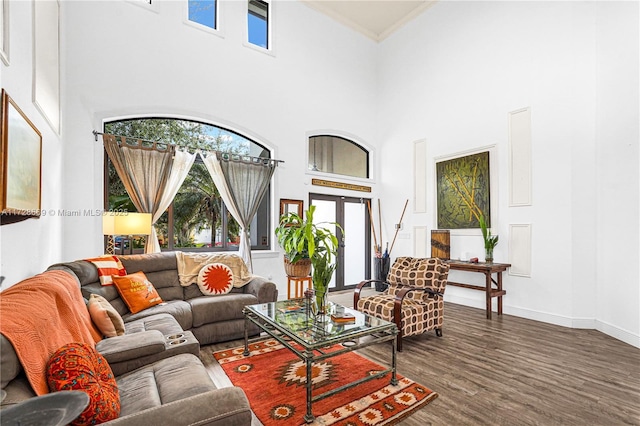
(137, 291)
(107, 266)
(77, 366)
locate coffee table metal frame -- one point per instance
(314, 333)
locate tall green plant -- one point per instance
(490, 241)
(301, 238)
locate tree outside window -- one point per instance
(197, 219)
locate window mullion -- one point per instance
(170, 234)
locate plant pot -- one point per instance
(301, 268)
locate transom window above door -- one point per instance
(338, 155)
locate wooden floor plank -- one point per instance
(508, 371)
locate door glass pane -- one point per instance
(354, 249)
(326, 212)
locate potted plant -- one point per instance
(292, 237)
(303, 240)
(490, 241)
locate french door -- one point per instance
(354, 253)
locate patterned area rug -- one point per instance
(274, 380)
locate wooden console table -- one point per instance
(488, 269)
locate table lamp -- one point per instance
(124, 223)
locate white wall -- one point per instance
(124, 59)
(28, 247)
(617, 138)
(452, 76)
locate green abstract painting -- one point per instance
(463, 191)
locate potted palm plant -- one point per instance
(303, 240)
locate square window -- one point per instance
(203, 12)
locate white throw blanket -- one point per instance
(189, 265)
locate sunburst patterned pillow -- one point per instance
(215, 279)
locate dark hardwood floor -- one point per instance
(509, 371)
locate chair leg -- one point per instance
(439, 332)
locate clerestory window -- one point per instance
(335, 154)
(204, 12)
(258, 23)
(197, 220)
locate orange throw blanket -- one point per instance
(41, 314)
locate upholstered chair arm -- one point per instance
(359, 286)
(397, 305)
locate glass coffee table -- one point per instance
(293, 324)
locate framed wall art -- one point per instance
(20, 162)
(463, 191)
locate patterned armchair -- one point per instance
(413, 299)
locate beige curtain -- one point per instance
(242, 184)
(144, 170)
(182, 162)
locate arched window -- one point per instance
(335, 154)
(197, 219)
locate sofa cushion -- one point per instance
(107, 266)
(165, 323)
(137, 291)
(179, 309)
(215, 279)
(162, 382)
(222, 308)
(105, 317)
(77, 366)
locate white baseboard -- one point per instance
(561, 320)
(618, 333)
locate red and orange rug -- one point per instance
(274, 380)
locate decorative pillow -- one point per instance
(137, 291)
(214, 279)
(107, 266)
(77, 366)
(105, 316)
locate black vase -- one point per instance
(381, 265)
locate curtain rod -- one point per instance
(96, 133)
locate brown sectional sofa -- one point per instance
(158, 373)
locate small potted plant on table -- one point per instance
(490, 241)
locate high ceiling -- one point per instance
(376, 19)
